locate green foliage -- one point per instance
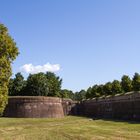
(95, 91)
(110, 88)
(116, 87)
(10, 87)
(100, 90)
(136, 82)
(17, 85)
(54, 84)
(67, 94)
(126, 84)
(89, 93)
(79, 96)
(36, 85)
(107, 88)
(8, 52)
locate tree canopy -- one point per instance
(36, 85)
(115, 87)
(108, 88)
(48, 84)
(40, 84)
(54, 84)
(8, 53)
(136, 82)
(17, 85)
(126, 83)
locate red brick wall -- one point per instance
(118, 107)
(34, 107)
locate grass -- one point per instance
(68, 128)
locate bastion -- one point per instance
(34, 107)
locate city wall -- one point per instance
(34, 107)
(126, 107)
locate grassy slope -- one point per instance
(68, 128)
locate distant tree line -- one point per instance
(49, 84)
(109, 89)
(41, 84)
(116, 87)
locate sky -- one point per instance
(85, 42)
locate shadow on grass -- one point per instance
(130, 120)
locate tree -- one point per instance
(94, 91)
(17, 85)
(36, 85)
(107, 88)
(79, 96)
(136, 82)
(116, 87)
(8, 53)
(126, 84)
(54, 84)
(89, 93)
(67, 94)
(100, 90)
(10, 86)
(43, 85)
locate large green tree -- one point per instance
(79, 96)
(93, 92)
(116, 87)
(17, 85)
(36, 85)
(42, 84)
(65, 93)
(88, 93)
(54, 84)
(8, 53)
(126, 83)
(100, 90)
(107, 88)
(136, 82)
(96, 91)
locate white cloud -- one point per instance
(30, 68)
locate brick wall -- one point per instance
(34, 107)
(118, 107)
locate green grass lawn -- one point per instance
(68, 128)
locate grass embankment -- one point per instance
(68, 128)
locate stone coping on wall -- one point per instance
(34, 99)
(117, 98)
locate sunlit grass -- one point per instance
(68, 128)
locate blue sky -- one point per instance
(93, 41)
